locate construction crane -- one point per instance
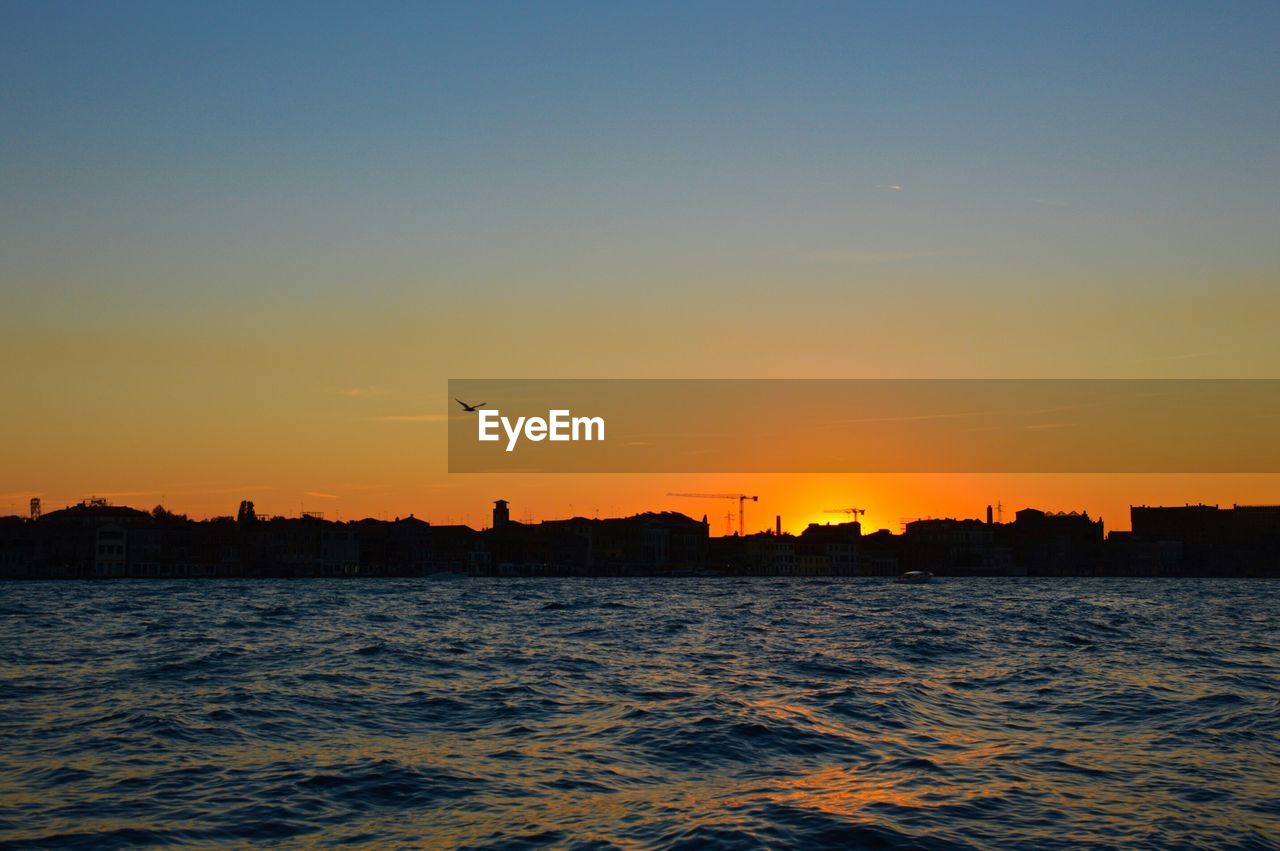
(740, 497)
(852, 512)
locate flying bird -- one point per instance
(469, 408)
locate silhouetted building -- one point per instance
(1243, 540)
(652, 542)
(110, 557)
(766, 554)
(829, 549)
(85, 541)
(954, 547)
(404, 547)
(98, 540)
(18, 550)
(1127, 554)
(880, 553)
(1057, 544)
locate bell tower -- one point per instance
(501, 514)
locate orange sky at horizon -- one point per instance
(889, 499)
(336, 406)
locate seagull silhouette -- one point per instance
(469, 408)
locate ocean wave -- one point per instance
(641, 713)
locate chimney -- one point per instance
(777, 525)
(988, 515)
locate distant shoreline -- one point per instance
(96, 540)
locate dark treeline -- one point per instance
(98, 540)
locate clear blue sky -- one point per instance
(291, 140)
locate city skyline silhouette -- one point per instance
(97, 540)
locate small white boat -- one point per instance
(914, 577)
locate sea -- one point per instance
(641, 713)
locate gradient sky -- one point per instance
(243, 246)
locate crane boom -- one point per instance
(740, 497)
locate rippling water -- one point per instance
(642, 713)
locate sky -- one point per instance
(243, 247)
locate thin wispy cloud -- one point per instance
(856, 257)
(408, 418)
(361, 392)
(186, 491)
(953, 415)
(321, 495)
(162, 494)
(1176, 356)
(894, 187)
(915, 417)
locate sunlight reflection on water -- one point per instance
(642, 713)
